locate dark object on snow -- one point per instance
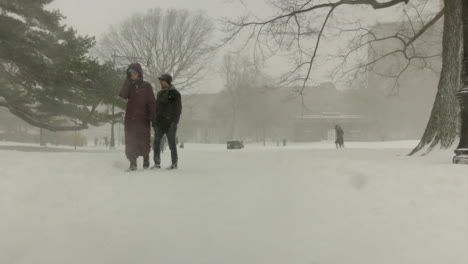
(156, 167)
(339, 137)
(173, 167)
(141, 109)
(285, 142)
(235, 144)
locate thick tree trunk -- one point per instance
(443, 122)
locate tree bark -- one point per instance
(443, 123)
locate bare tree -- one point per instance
(238, 73)
(442, 126)
(390, 50)
(165, 41)
(299, 26)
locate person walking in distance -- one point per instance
(141, 109)
(339, 137)
(168, 111)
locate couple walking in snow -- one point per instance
(143, 110)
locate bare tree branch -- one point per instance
(169, 41)
(55, 128)
(373, 3)
(295, 20)
(406, 43)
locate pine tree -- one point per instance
(47, 77)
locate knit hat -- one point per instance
(166, 77)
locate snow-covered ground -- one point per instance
(307, 203)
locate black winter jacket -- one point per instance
(168, 107)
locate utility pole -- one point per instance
(112, 139)
(41, 138)
(75, 139)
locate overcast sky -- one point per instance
(93, 17)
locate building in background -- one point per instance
(322, 127)
(198, 122)
(325, 107)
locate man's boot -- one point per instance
(173, 166)
(157, 163)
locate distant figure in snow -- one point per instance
(96, 141)
(141, 110)
(339, 142)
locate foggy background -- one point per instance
(367, 107)
(289, 196)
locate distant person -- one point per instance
(96, 141)
(339, 142)
(141, 109)
(168, 111)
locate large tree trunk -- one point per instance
(443, 123)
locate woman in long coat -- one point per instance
(141, 110)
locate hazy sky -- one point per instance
(93, 17)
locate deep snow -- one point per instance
(307, 203)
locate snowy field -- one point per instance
(304, 204)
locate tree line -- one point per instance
(54, 78)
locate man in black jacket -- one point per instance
(168, 111)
